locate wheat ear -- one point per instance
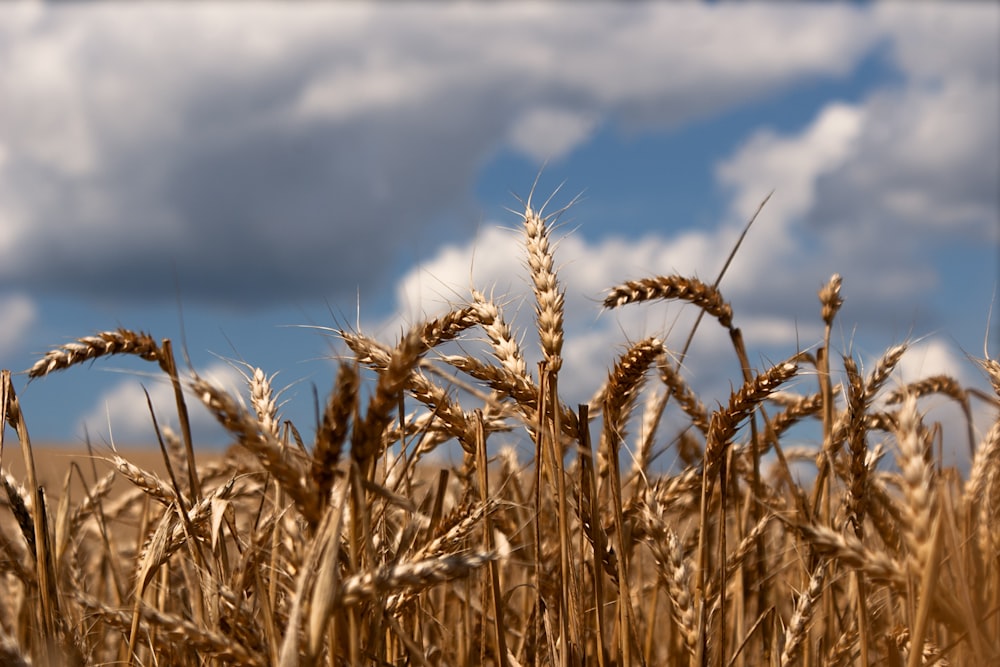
(918, 484)
(333, 428)
(725, 423)
(505, 347)
(549, 299)
(691, 290)
(120, 341)
(797, 629)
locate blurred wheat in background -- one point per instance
(355, 545)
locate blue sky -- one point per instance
(226, 176)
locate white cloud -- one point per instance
(933, 41)
(268, 152)
(926, 155)
(121, 414)
(372, 89)
(550, 133)
(150, 142)
(870, 190)
(791, 164)
(19, 314)
(933, 356)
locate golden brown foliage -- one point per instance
(355, 550)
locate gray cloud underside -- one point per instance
(249, 155)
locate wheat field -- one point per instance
(353, 547)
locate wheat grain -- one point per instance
(549, 299)
(830, 299)
(795, 634)
(20, 506)
(800, 408)
(883, 369)
(857, 408)
(11, 654)
(286, 464)
(172, 534)
(935, 384)
(505, 347)
(725, 422)
(918, 483)
(150, 484)
(105, 343)
(692, 290)
(992, 368)
(674, 571)
(176, 630)
(263, 401)
(931, 656)
(878, 566)
(625, 381)
(685, 397)
(411, 575)
(333, 428)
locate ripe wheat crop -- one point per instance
(352, 547)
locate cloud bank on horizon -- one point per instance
(242, 156)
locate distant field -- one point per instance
(53, 461)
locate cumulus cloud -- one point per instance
(795, 162)
(19, 315)
(934, 357)
(253, 155)
(875, 189)
(932, 42)
(858, 188)
(547, 133)
(121, 414)
(246, 156)
(926, 161)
